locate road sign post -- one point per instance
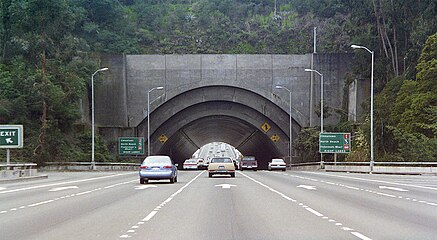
(334, 142)
(131, 146)
(11, 136)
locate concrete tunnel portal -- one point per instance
(249, 122)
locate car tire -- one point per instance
(210, 175)
(233, 175)
(142, 181)
(283, 170)
(270, 169)
(172, 180)
(176, 179)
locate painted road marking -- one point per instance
(224, 185)
(145, 187)
(64, 183)
(307, 187)
(60, 198)
(393, 188)
(370, 191)
(133, 229)
(378, 181)
(63, 188)
(316, 213)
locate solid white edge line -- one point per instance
(374, 180)
(63, 183)
(360, 236)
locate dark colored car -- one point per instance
(158, 168)
(248, 162)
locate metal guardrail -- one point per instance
(18, 165)
(89, 163)
(416, 168)
(384, 163)
(367, 163)
(85, 166)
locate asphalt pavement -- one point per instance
(253, 205)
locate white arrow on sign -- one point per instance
(9, 140)
(307, 187)
(62, 188)
(225, 185)
(145, 187)
(393, 188)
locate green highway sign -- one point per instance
(130, 146)
(11, 136)
(334, 142)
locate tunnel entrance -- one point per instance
(249, 122)
(217, 149)
(247, 139)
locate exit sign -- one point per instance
(130, 146)
(334, 142)
(11, 136)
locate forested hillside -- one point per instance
(50, 48)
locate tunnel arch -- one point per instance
(219, 113)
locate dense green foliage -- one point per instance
(49, 49)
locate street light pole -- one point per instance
(321, 96)
(321, 107)
(93, 163)
(148, 117)
(289, 112)
(372, 160)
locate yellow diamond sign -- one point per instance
(275, 138)
(163, 138)
(265, 127)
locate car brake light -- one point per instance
(167, 166)
(143, 167)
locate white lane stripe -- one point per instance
(150, 216)
(63, 183)
(378, 181)
(154, 212)
(361, 236)
(357, 234)
(314, 212)
(387, 195)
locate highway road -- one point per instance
(254, 205)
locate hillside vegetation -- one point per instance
(50, 48)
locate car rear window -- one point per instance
(157, 160)
(248, 158)
(221, 160)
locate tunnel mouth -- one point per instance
(253, 124)
(246, 138)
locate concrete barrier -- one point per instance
(17, 170)
(86, 166)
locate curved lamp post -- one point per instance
(93, 163)
(148, 117)
(321, 107)
(289, 112)
(321, 96)
(372, 161)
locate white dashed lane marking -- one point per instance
(129, 233)
(370, 191)
(61, 198)
(311, 210)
